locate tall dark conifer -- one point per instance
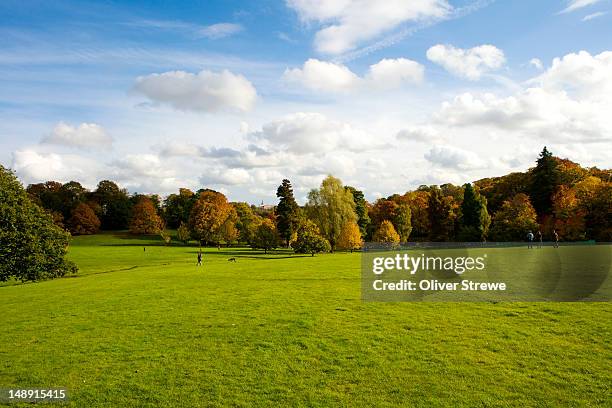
(544, 182)
(287, 212)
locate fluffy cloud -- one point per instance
(304, 133)
(331, 77)
(348, 23)
(323, 76)
(392, 73)
(570, 102)
(220, 30)
(573, 5)
(86, 135)
(33, 167)
(581, 73)
(467, 63)
(421, 134)
(203, 92)
(454, 158)
(225, 177)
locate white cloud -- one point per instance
(323, 76)
(348, 23)
(206, 91)
(568, 103)
(537, 63)
(391, 73)
(581, 73)
(225, 177)
(34, 167)
(454, 158)
(304, 133)
(573, 5)
(421, 134)
(594, 15)
(86, 135)
(331, 77)
(219, 30)
(469, 63)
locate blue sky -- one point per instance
(236, 95)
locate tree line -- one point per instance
(556, 194)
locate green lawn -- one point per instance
(149, 328)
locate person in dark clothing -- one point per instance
(200, 258)
(530, 240)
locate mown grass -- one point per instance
(149, 328)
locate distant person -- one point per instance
(144, 249)
(530, 240)
(200, 258)
(556, 238)
(539, 239)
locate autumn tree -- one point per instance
(350, 237)
(441, 215)
(144, 218)
(419, 216)
(568, 214)
(544, 182)
(31, 246)
(208, 215)
(386, 234)
(514, 220)
(475, 219)
(287, 212)
(598, 218)
(266, 236)
(330, 207)
(228, 231)
(309, 240)
(83, 221)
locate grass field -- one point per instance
(148, 328)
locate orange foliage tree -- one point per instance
(144, 218)
(83, 221)
(208, 216)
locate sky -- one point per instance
(237, 95)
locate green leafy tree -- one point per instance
(514, 220)
(183, 234)
(177, 207)
(115, 205)
(246, 222)
(361, 209)
(475, 219)
(266, 236)
(287, 212)
(331, 207)
(544, 182)
(31, 246)
(309, 240)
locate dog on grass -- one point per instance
(232, 260)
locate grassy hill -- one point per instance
(149, 328)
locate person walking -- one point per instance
(530, 240)
(556, 238)
(200, 258)
(539, 239)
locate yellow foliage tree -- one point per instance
(386, 233)
(350, 237)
